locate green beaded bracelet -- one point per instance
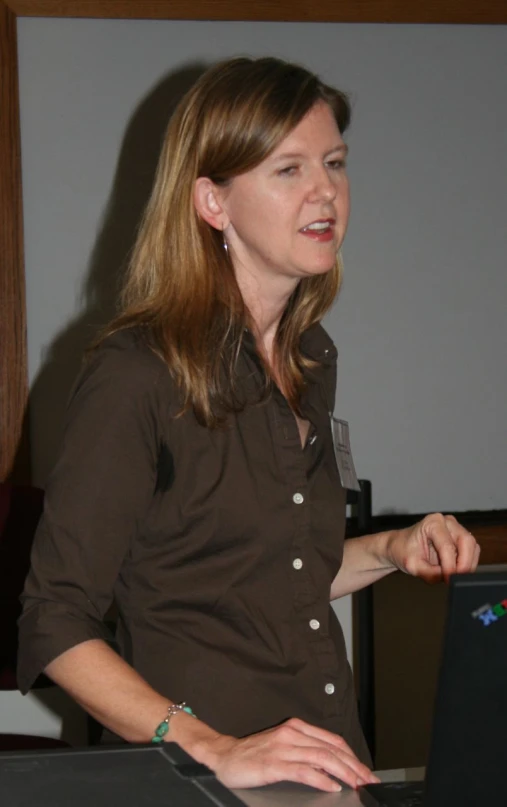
(163, 727)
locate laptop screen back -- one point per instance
(468, 756)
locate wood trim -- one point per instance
(493, 543)
(399, 11)
(13, 360)
(13, 365)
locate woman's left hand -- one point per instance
(434, 548)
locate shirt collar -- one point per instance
(318, 345)
(315, 343)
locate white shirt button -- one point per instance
(314, 624)
(297, 563)
(298, 498)
(329, 689)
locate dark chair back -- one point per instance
(20, 511)
(361, 524)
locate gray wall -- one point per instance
(420, 323)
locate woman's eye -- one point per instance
(336, 165)
(288, 171)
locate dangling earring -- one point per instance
(226, 245)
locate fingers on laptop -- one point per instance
(294, 751)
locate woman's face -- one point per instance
(286, 218)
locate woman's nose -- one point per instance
(323, 186)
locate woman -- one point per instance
(197, 485)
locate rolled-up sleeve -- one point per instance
(95, 502)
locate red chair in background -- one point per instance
(20, 510)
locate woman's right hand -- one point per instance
(106, 686)
(293, 751)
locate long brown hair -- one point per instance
(181, 287)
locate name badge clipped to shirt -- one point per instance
(343, 454)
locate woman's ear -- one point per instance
(208, 203)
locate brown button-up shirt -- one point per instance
(218, 546)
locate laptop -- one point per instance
(467, 764)
(110, 776)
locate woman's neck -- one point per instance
(266, 303)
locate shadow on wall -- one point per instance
(130, 192)
(50, 391)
